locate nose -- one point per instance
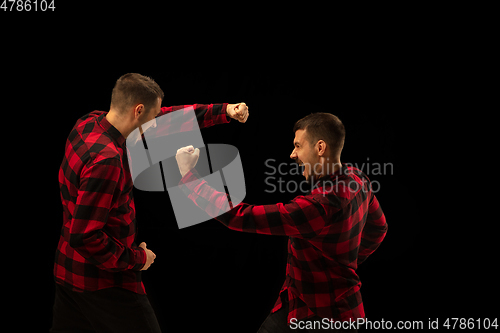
(293, 155)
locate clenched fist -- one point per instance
(238, 112)
(187, 157)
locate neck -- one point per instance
(328, 167)
(119, 122)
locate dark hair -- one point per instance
(323, 126)
(133, 88)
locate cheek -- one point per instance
(312, 156)
(304, 155)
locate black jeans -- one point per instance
(277, 323)
(107, 310)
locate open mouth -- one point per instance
(303, 171)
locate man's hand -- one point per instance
(150, 256)
(187, 157)
(238, 112)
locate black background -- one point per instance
(388, 90)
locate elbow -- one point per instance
(81, 241)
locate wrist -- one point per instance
(184, 172)
(140, 259)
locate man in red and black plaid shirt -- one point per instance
(98, 264)
(331, 230)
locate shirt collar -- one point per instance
(111, 130)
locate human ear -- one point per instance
(139, 110)
(321, 147)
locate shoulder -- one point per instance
(92, 139)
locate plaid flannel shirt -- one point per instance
(331, 231)
(97, 246)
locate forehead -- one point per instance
(299, 136)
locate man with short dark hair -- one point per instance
(98, 265)
(331, 230)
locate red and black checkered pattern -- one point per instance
(97, 246)
(206, 116)
(331, 230)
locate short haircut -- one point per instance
(131, 89)
(323, 126)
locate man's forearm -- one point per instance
(277, 219)
(206, 114)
